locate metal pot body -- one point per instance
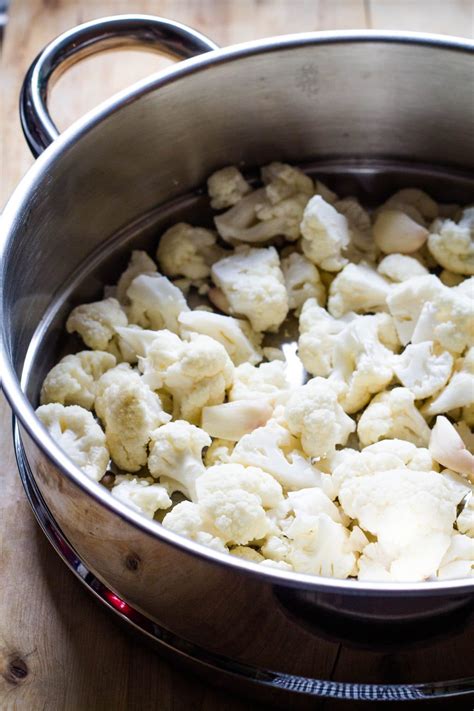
(351, 99)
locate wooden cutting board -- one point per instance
(58, 649)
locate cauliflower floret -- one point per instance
(458, 561)
(412, 514)
(248, 554)
(233, 420)
(390, 415)
(141, 495)
(233, 476)
(96, 323)
(155, 302)
(426, 310)
(189, 520)
(452, 244)
(253, 284)
(196, 372)
(236, 335)
(422, 369)
(226, 187)
(73, 381)
(219, 452)
(465, 520)
(283, 181)
(362, 245)
(276, 451)
(318, 330)
(140, 263)
(79, 436)
(401, 267)
(302, 281)
(363, 359)
(176, 453)
(359, 288)
(325, 235)
(396, 231)
(188, 251)
(268, 381)
(130, 411)
(314, 414)
(459, 392)
(447, 447)
(237, 516)
(134, 341)
(313, 501)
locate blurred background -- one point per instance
(58, 650)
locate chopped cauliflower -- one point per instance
(362, 245)
(318, 330)
(359, 288)
(465, 520)
(188, 251)
(411, 513)
(268, 382)
(459, 392)
(140, 263)
(231, 476)
(176, 453)
(395, 231)
(233, 420)
(77, 433)
(275, 450)
(393, 415)
(141, 495)
(73, 381)
(130, 411)
(458, 561)
(400, 267)
(448, 448)
(325, 234)
(452, 244)
(226, 187)
(155, 302)
(253, 284)
(196, 372)
(422, 369)
(219, 452)
(96, 323)
(283, 181)
(236, 335)
(363, 359)
(189, 520)
(246, 553)
(314, 414)
(302, 281)
(134, 341)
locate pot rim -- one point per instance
(23, 410)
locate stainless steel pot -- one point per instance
(371, 112)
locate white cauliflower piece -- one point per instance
(458, 561)
(363, 359)
(401, 267)
(325, 234)
(140, 263)
(253, 284)
(141, 495)
(313, 501)
(465, 520)
(188, 251)
(130, 411)
(233, 476)
(196, 372)
(406, 300)
(422, 369)
(452, 244)
(459, 392)
(268, 381)
(276, 451)
(283, 181)
(134, 341)
(396, 231)
(362, 245)
(176, 454)
(96, 323)
(226, 187)
(412, 514)
(233, 420)
(77, 433)
(318, 330)
(302, 281)
(390, 415)
(237, 516)
(314, 414)
(73, 381)
(236, 335)
(248, 554)
(155, 302)
(464, 288)
(359, 288)
(447, 447)
(219, 452)
(189, 520)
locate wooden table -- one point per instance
(58, 649)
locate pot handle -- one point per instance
(156, 33)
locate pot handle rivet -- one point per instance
(171, 38)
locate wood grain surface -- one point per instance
(58, 649)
